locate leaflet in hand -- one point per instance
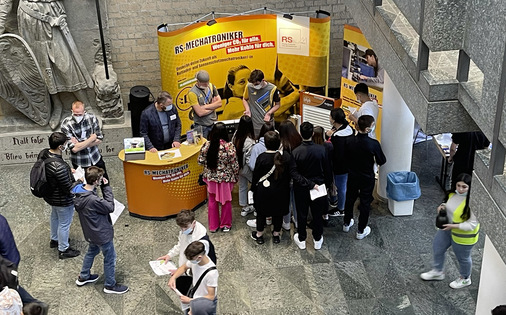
(322, 191)
(79, 174)
(160, 268)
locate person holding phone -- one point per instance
(97, 228)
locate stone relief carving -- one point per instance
(21, 82)
(43, 24)
(107, 91)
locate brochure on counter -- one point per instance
(169, 154)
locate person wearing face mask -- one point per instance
(83, 129)
(205, 277)
(191, 230)
(204, 100)
(97, 228)
(368, 107)
(160, 124)
(461, 234)
(59, 176)
(260, 100)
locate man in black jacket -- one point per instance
(59, 176)
(312, 164)
(360, 155)
(97, 228)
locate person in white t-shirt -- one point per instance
(198, 262)
(369, 107)
(191, 230)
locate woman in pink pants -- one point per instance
(221, 171)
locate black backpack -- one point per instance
(38, 181)
(8, 274)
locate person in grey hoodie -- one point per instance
(97, 228)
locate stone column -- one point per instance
(396, 134)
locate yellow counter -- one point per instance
(157, 189)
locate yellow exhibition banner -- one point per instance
(354, 66)
(293, 54)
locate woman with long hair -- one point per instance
(319, 138)
(290, 139)
(220, 173)
(340, 133)
(271, 188)
(243, 140)
(461, 233)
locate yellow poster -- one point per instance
(234, 46)
(360, 65)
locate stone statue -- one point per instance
(43, 24)
(108, 94)
(21, 82)
(5, 9)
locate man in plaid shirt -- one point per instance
(83, 130)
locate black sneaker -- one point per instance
(80, 282)
(258, 239)
(276, 239)
(69, 253)
(53, 244)
(117, 289)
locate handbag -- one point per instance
(184, 283)
(261, 180)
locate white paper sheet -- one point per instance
(161, 269)
(169, 154)
(322, 191)
(118, 209)
(79, 174)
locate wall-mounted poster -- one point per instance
(293, 54)
(360, 65)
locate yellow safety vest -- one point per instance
(460, 236)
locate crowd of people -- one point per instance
(285, 176)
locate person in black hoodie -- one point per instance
(361, 153)
(97, 228)
(59, 176)
(312, 165)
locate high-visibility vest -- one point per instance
(460, 236)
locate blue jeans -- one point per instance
(109, 262)
(243, 190)
(340, 181)
(61, 218)
(442, 241)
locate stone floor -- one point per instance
(377, 275)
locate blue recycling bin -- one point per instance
(402, 186)
(402, 189)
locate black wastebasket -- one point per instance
(138, 101)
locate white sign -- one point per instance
(293, 35)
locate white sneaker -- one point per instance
(346, 228)
(433, 275)
(318, 244)
(286, 226)
(366, 232)
(247, 210)
(252, 223)
(301, 245)
(460, 283)
(268, 220)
